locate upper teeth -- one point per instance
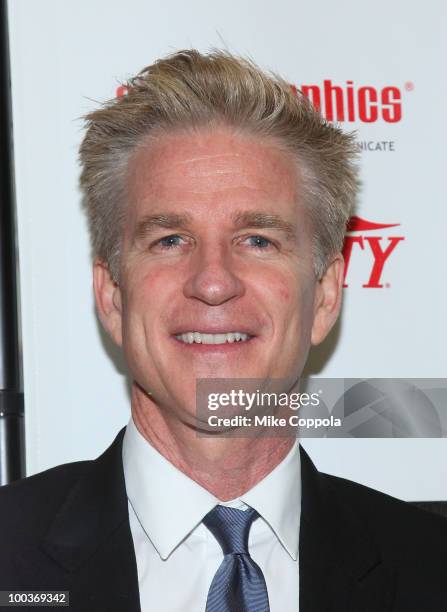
(190, 337)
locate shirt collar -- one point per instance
(169, 504)
(277, 498)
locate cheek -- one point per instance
(149, 290)
(139, 307)
(284, 292)
(277, 286)
(281, 299)
(293, 303)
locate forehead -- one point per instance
(211, 168)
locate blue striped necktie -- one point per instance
(238, 585)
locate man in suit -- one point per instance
(217, 200)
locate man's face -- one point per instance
(216, 241)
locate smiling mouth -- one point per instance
(193, 337)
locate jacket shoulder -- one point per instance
(27, 505)
(403, 532)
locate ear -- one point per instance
(108, 301)
(328, 295)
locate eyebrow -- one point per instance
(241, 219)
(169, 221)
(264, 221)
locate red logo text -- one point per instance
(378, 247)
(350, 103)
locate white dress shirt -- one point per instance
(177, 556)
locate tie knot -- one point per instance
(231, 527)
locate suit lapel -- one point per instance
(90, 538)
(340, 569)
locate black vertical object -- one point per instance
(12, 453)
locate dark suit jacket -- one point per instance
(360, 550)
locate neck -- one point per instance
(227, 467)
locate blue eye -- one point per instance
(260, 242)
(168, 242)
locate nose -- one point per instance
(213, 279)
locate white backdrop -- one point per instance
(68, 55)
